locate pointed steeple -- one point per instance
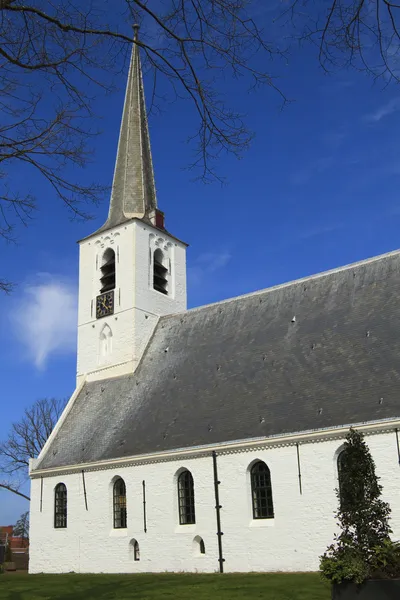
(133, 191)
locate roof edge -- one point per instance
(287, 439)
(130, 220)
(58, 425)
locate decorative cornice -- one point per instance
(236, 447)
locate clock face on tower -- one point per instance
(105, 304)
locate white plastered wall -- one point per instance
(293, 541)
(137, 306)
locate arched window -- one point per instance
(107, 279)
(202, 547)
(186, 498)
(340, 469)
(261, 491)
(160, 272)
(136, 551)
(60, 506)
(119, 504)
(105, 343)
(198, 546)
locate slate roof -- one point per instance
(316, 353)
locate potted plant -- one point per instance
(363, 562)
(9, 565)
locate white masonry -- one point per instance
(303, 466)
(131, 233)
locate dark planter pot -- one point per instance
(373, 589)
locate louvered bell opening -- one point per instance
(108, 283)
(107, 279)
(160, 281)
(110, 264)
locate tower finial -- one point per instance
(136, 28)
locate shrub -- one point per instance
(343, 564)
(363, 548)
(385, 560)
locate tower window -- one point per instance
(120, 517)
(160, 272)
(60, 506)
(107, 279)
(186, 498)
(261, 491)
(105, 343)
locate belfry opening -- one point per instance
(107, 279)
(160, 273)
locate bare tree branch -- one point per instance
(26, 439)
(6, 286)
(14, 491)
(361, 34)
(56, 56)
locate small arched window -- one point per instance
(186, 498)
(60, 506)
(202, 547)
(107, 279)
(120, 520)
(136, 551)
(198, 546)
(160, 272)
(261, 491)
(105, 342)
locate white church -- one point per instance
(208, 439)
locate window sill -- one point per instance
(185, 528)
(123, 532)
(162, 293)
(262, 523)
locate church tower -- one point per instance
(131, 271)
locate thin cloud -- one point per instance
(334, 139)
(213, 261)
(319, 230)
(45, 319)
(384, 111)
(313, 169)
(207, 264)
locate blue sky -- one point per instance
(317, 189)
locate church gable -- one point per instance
(313, 354)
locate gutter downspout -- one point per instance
(144, 506)
(218, 507)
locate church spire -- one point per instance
(133, 191)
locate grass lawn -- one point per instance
(274, 586)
